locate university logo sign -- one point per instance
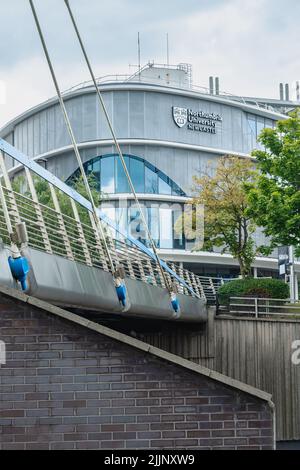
(201, 121)
(180, 116)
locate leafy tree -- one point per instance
(44, 195)
(226, 221)
(274, 198)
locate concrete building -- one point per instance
(169, 130)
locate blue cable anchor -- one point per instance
(19, 268)
(122, 292)
(175, 304)
(119, 276)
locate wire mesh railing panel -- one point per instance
(55, 232)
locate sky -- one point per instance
(252, 45)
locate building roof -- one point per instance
(146, 87)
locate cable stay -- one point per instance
(117, 272)
(169, 286)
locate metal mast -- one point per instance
(169, 287)
(72, 137)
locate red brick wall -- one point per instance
(66, 387)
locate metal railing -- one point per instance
(257, 306)
(65, 227)
(75, 236)
(134, 78)
(56, 233)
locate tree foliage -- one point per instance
(253, 287)
(274, 198)
(226, 221)
(44, 194)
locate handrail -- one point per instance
(262, 306)
(69, 191)
(133, 78)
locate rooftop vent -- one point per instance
(214, 85)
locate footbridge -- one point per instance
(61, 258)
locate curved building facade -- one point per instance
(169, 131)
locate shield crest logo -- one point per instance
(180, 116)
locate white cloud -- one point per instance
(241, 43)
(250, 44)
(29, 83)
(2, 92)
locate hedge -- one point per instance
(253, 287)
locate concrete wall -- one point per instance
(66, 387)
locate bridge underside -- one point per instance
(75, 285)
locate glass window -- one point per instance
(251, 131)
(151, 186)
(153, 222)
(164, 187)
(135, 225)
(252, 124)
(260, 125)
(111, 178)
(109, 211)
(176, 190)
(94, 169)
(178, 236)
(121, 218)
(165, 228)
(137, 174)
(108, 175)
(122, 185)
(269, 123)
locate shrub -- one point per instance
(253, 287)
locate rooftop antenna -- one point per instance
(168, 57)
(97, 221)
(139, 55)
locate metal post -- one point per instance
(5, 211)
(99, 244)
(98, 223)
(287, 92)
(139, 56)
(296, 288)
(168, 56)
(211, 85)
(81, 239)
(281, 92)
(118, 148)
(292, 274)
(256, 307)
(38, 210)
(8, 186)
(61, 223)
(14, 249)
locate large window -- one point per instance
(111, 178)
(255, 125)
(160, 217)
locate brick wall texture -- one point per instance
(67, 387)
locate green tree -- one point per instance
(226, 222)
(44, 195)
(274, 197)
